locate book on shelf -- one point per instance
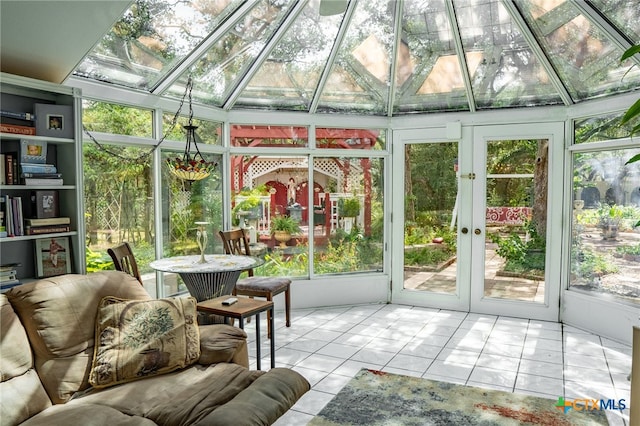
(9, 160)
(17, 115)
(8, 275)
(43, 181)
(9, 266)
(5, 286)
(4, 206)
(3, 170)
(17, 130)
(47, 229)
(14, 219)
(37, 168)
(3, 226)
(18, 219)
(62, 220)
(41, 175)
(11, 168)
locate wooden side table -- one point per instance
(243, 308)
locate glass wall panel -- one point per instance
(605, 243)
(117, 119)
(347, 215)
(280, 209)
(516, 219)
(270, 194)
(118, 198)
(208, 131)
(365, 139)
(260, 136)
(183, 204)
(601, 128)
(430, 211)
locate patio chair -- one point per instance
(237, 242)
(124, 260)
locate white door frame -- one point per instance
(549, 309)
(469, 295)
(460, 300)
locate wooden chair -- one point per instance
(124, 260)
(237, 242)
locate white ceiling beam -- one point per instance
(397, 32)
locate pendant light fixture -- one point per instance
(191, 166)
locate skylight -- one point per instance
(376, 57)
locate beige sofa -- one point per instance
(47, 346)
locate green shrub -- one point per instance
(98, 261)
(633, 250)
(349, 207)
(426, 256)
(522, 254)
(587, 263)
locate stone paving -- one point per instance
(514, 288)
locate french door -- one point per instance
(477, 232)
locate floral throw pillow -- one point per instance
(140, 338)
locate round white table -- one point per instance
(214, 278)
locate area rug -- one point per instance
(376, 398)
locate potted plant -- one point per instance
(349, 209)
(249, 204)
(609, 223)
(282, 228)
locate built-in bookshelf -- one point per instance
(47, 118)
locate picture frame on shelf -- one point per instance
(33, 151)
(53, 256)
(44, 204)
(54, 120)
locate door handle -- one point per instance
(477, 231)
(465, 230)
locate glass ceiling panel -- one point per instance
(504, 70)
(220, 69)
(154, 42)
(287, 80)
(624, 14)
(586, 60)
(428, 74)
(151, 39)
(360, 79)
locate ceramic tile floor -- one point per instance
(329, 346)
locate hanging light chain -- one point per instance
(145, 155)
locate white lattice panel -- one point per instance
(328, 167)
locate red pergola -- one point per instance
(292, 136)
